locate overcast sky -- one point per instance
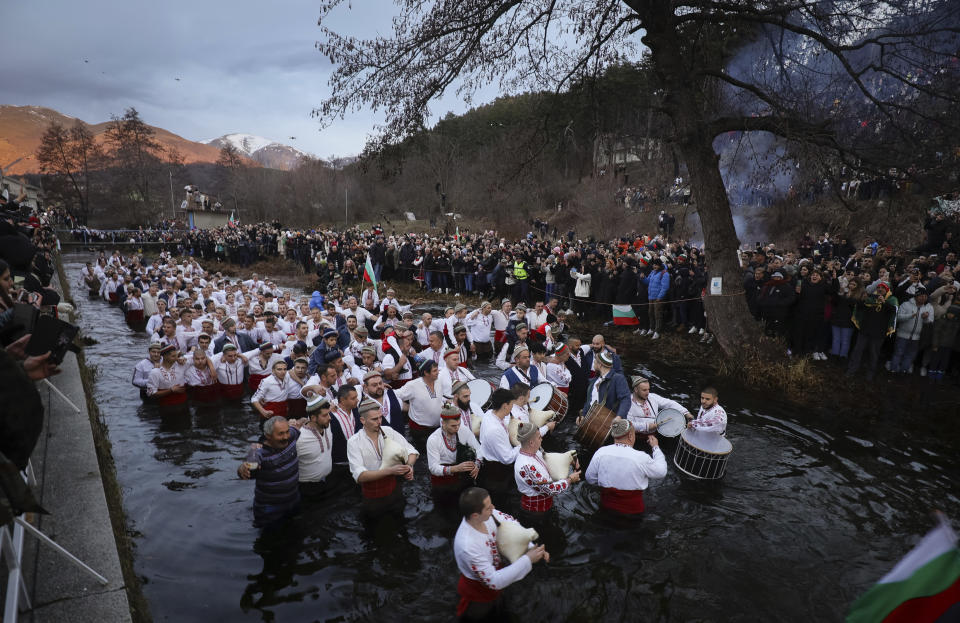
(243, 66)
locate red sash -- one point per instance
(565, 390)
(473, 590)
(380, 488)
(463, 364)
(500, 337)
(278, 408)
(415, 426)
(255, 380)
(172, 399)
(205, 393)
(134, 316)
(536, 503)
(296, 408)
(628, 502)
(113, 297)
(231, 392)
(445, 481)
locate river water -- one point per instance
(816, 506)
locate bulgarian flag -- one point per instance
(924, 586)
(233, 221)
(458, 234)
(623, 315)
(368, 274)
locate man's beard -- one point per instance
(377, 394)
(464, 406)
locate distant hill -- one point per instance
(270, 154)
(22, 127)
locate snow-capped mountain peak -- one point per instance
(269, 153)
(244, 143)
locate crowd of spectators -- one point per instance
(819, 296)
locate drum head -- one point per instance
(540, 396)
(670, 422)
(479, 392)
(710, 443)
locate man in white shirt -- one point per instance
(315, 452)
(537, 488)
(711, 418)
(624, 473)
(498, 453)
(452, 455)
(365, 451)
(644, 406)
(141, 372)
(425, 400)
(483, 574)
(452, 371)
(478, 323)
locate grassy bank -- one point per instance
(139, 608)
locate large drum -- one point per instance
(480, 392)
(702, 455)
(671, 422)
(546, 397)
(595, 427)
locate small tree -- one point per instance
(136, 154)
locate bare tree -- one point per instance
(71, 154)
(136, 153)
(720, 66)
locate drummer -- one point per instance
(645, 406)
(622, 472)
(448, 473)
(557, 372)
(608, 388)
(521, 408)
(711, 418)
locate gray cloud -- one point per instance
(243, 66)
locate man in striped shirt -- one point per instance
(277, 493)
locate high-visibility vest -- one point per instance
(519, 272)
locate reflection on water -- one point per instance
(815, 507)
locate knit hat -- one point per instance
(316, 403)
(157, 346)
(606, 358)
(451, 351)
(526, 431)
(458, 386)
(367, 405)
(520, 325)
(368, 349)
(639, 379)
(168, 348)
(229, 322)
(619, 428)
(485, 304)
(458, 329)
(372, 374)
(266, 345)
(361, 330)
(329, 333)
(459, 307)
(449, 412)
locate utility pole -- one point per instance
(173, 207)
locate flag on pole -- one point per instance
(458, 233)
(623, 315)
(924, 586)
(233, 221)
(368, 274)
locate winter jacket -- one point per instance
(910, 319)
(776, 298)
(874, 316)
(582, 289)
(658, 284)
(946, 321)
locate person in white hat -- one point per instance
(446, 446)
(365, 450)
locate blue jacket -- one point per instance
(658, 283)
(614, 393)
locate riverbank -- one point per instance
(72, 485)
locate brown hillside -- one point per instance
(21, 128)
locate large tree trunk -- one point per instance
(727, 314)
(686, 102)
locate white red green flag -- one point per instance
(368, 274)
(623, 315)
(923, 587)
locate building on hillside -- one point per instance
(612, 151)
(13, 188)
